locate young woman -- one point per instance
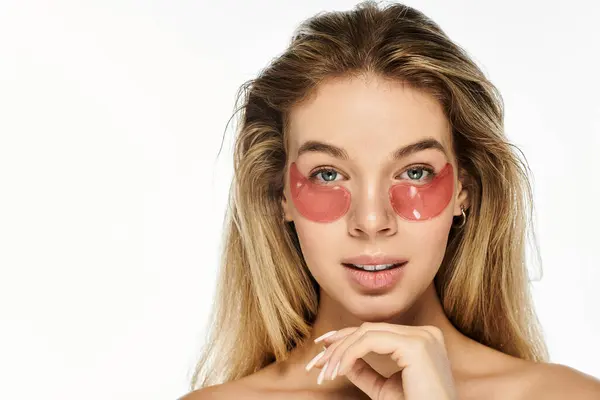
(377, 203)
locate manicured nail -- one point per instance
(324, 336)
(335, 370)
(322, 374)
(312, 362)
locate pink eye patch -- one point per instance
(327, 203)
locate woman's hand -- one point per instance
(419, 351)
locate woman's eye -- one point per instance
(327, 175)
(416, 173)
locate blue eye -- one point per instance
(327, 174)
(415, 173)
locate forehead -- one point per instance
(373, 113)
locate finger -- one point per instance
(330, 338)
(328, 352)
(329, 341)
(425, 331)
(371, 382)
(380, 342)
(315, 359)
(341, 345)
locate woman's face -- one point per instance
(346, 209)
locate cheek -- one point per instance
(320, 244)
(426, 241)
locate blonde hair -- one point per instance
(266, 299)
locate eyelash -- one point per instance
(430, 171)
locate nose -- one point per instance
(371, 214)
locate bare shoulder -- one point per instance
(556, 381)
(223, 391)
(212, 392)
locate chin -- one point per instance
(372, 309)
(367, 316)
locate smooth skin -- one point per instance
(420, 353)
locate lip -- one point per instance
(375, 281)
(367, 259)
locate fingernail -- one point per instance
(312, 362)
(324, 336)
(335, 370)
(322, 374)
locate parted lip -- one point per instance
(366, 259)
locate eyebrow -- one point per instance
(337, 152)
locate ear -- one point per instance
(285, 205)
(462, 196)
(287, 215)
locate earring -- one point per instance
(464, 218)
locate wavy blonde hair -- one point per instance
(266, 299)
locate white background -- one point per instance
(112, 196)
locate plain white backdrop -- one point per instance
(112, 196)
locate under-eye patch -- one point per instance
(415, 202)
